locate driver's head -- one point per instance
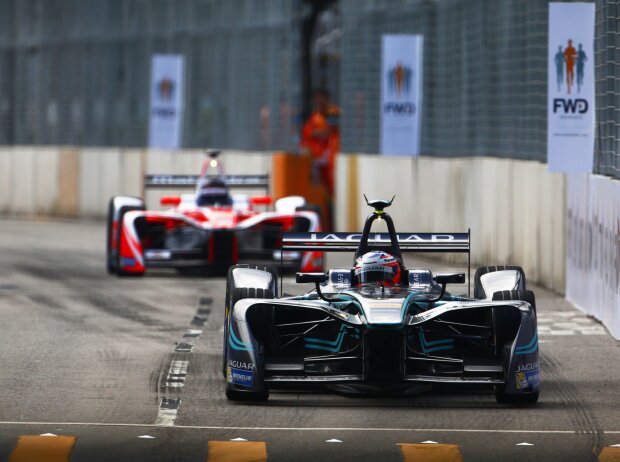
(213, 193)
(376, 266)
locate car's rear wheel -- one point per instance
(479, 289)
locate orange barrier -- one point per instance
(292, 176)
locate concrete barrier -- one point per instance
(74, 182)
(516, 210)
(593, 243)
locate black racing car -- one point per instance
(358, 336)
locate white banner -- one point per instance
(593, 248)
(401, 94)
(166, 116)
(570, 105)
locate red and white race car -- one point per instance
(210, 229)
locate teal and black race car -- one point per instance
(378, 325)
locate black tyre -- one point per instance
(234, 294)
(479, 290)
(310, 208)
(523, 295)
(506, 324)
(246, 396)
(522, 399)
(119, 229)
(111, 262)
(506, 320)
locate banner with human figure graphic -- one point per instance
(166, 112)
(571, 104)
(401, 94)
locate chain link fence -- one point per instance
(77, 72)
(607, 43)
(485, 76)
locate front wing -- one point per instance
(172, 240)
(285, 342)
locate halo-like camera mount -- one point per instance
(379, 204)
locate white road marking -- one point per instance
(166, 417)
(192, 333)
(333, 440)
(47, 434)
(146, 437)
(568, 323)
(524, 444)
(184, 347)
(167, 414)
(316, 429)
(176, 374)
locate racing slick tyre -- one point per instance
(479, 290)
(505, 325)
(119, 229)
(309, 208)
(261, 324)
(110, 258)
(234, 294)
(234, 395)
(523, 295)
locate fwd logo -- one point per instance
(399, 108)
(579, 106)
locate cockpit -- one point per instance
(213, 193)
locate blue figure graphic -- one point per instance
(559, 67)
(581, 60)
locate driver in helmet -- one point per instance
(377, 267)
(213, 193)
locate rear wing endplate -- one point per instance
(347, 242)
(190, 181)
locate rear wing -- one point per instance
(407, 242)
(190, 181)
(347, 242)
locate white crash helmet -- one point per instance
(376, 266)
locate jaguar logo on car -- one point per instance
(241, 365)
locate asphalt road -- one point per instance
(129, 369)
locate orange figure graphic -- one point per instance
(570, 54)
(166, 87)
(399, 75)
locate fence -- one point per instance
(76, 72)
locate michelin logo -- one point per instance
(239, 376)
